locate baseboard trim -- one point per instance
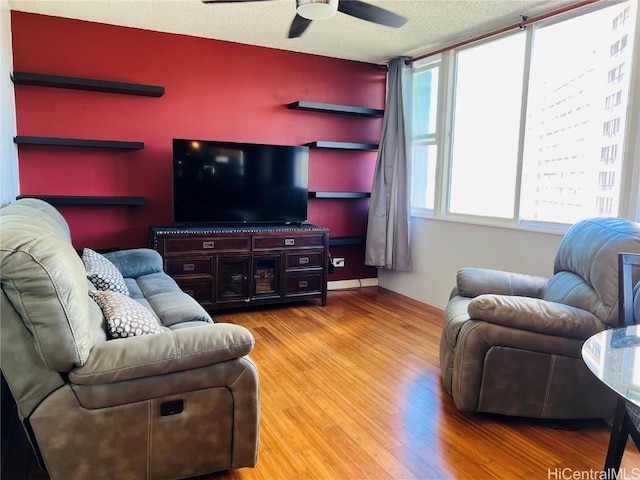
(349, 284)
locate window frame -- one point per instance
(440, 62)
(629, 195)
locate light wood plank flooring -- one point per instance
(352, 391)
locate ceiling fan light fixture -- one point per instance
(317, 9)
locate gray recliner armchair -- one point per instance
(511, 343)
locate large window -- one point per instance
(488, 93)
(425, 149)
(536, 122)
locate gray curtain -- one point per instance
(388, 226)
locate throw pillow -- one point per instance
(103, 273)
(125, 317)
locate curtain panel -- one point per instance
(387, 243)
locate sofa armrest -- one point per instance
(535, 315)
(472, 281)
(147, 355)
(135, 262)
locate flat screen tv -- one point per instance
(227, 182)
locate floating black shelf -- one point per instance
(333, 108)
(339, 241)
(75, 83)
(339, 194)
(80, 200)
(342, 145)
(77, 142)
(358, 241)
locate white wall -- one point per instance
(9, 186)
(439, 248)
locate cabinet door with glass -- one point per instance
(266, 277)
(233, 279)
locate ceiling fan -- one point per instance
(308, 10)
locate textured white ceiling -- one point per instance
(431, 24)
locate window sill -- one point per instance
(546, 228)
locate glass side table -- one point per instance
(614, 357)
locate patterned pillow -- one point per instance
(125, 317)
(102, 273)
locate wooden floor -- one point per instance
(352, 391)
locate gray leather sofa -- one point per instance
(175, 404)
(511, 343)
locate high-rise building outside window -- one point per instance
(569, 69)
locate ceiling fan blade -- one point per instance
(298, 26)
(371, 13)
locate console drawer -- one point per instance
(206, 244)
(292, 241)
(298, 284)
(188, 266)
(199, 288)
(304, 260)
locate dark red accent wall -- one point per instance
(214, 90)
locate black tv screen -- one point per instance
(228, 182)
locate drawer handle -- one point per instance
(303, 260)
(188, 267)
(207, 245)
(289, 242)
(190, 292)
(303, 283)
